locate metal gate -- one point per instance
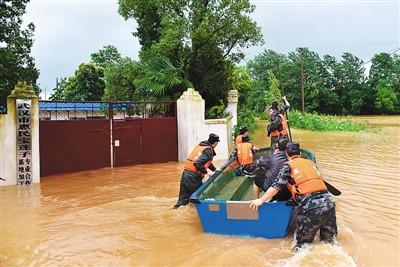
(144, 132)
(76, 136)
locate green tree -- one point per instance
(274, 93)
(386, 98)
(15, 47)
(267, 61)
(87, 83)
(158, 77)
(314, 79)
(240, 80)
(329, 100)
(106, 56)
(202, 38)
(120, 80)
(58, 92)
(148, 18)
(384, 67)
(350, 84)
(262, 68)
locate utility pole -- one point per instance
(302, 81)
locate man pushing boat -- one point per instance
(315, 208)
(196, 167)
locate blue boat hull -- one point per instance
(223, 205)
(270, 221)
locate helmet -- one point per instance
(293, 149)
(243, 129)
(212, 138)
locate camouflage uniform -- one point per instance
(315, 211)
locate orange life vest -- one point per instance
(238, 139)
(306, 177)
(189, 164)
(245, 153)
(284, 127)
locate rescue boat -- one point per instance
(223, 205)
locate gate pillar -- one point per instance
(190, 116)
(232, 105)
(19, 138)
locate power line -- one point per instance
(390, 52)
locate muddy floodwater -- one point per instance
(123, 216)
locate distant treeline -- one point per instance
(331, 86)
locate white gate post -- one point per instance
(232, 105)
(190, 116)
(8, 137)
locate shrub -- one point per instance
(217, 112)
(246, 118)
(316, 122)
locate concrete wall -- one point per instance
(8, 143)
(222, 127)
(193, 128)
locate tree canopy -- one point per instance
(15, 46)
(201, 40)
(86, 84)
(120, 80)
(106, 56)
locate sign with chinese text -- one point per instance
(24, 141)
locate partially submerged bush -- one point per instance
(316, 122)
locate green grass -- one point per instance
(317, 122)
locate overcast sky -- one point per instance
(68, 31)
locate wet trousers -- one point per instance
(190, 182)
(312, 220)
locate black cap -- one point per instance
(282, 143)
(243, 129)
(274, 105)
(246, 138)
(212, 138)
(293, 149)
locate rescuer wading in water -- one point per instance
(196, 166)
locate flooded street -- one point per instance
(123, 217)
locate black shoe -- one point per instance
(176, 206)
(298, 247)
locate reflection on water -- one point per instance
(123, 217)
